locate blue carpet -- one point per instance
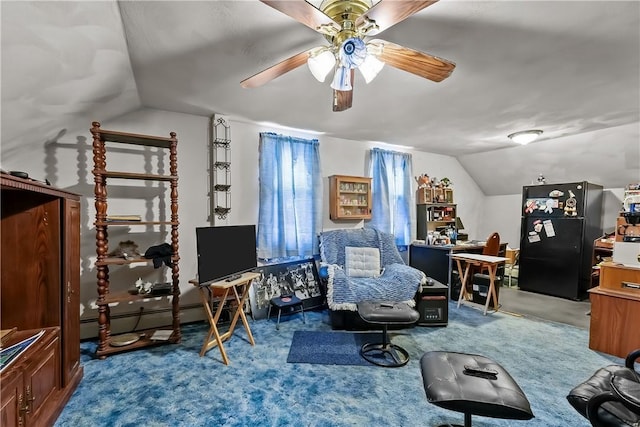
(330, 348)
(171, 385)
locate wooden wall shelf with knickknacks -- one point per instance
(434, 195)
(430, 190)
(349, 197)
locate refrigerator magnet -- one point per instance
(549, 205)
(548, 228)
(534, 238)
(570, 206)
(530, 206)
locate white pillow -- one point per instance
(361, 261)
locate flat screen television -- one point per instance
(225, 252)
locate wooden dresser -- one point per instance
(40, 289)
(615, 310)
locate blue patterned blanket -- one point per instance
(398, 282)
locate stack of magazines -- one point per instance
(10, 354)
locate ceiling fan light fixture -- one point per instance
(342, 79)
(370, 67)
(525, 137)
(321, 63)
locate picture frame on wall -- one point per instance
(298, 277)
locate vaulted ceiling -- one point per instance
(570, 68)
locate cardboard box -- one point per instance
(511, 254)
(627, 254)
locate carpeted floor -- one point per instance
(172, 386)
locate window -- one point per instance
(290, 211)
(391, 187)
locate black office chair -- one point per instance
(611, 397)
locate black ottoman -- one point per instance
(474, 385)
(382, 313)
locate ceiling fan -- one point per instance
(349, 25)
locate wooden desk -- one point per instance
(239, 289)
(490, 262)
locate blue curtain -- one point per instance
(391, 172)
(290, 211)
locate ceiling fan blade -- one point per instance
(277, 70)
(306, 13)
(415, 62)
(342, 99)
(390, 12)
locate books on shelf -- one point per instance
(124, 218)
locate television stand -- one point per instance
(233, 277)
(240, 288)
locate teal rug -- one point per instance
(330, 347)
(171, 385)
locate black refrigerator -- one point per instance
(559, 225)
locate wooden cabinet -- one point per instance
(433, 217)
(116, 141)
(71, 294)
(349, 197)
(615, 310)
(32, 393)
(40, 275)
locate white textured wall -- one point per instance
(68, 163)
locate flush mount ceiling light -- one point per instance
(526, 136)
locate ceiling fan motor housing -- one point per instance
(345, 13)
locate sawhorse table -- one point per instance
(239, 290)
(489, 262)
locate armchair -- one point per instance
(363, 264)
(611, 397)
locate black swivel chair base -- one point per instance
(386, 354)
(467, 422)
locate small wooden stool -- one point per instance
(289, 304)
